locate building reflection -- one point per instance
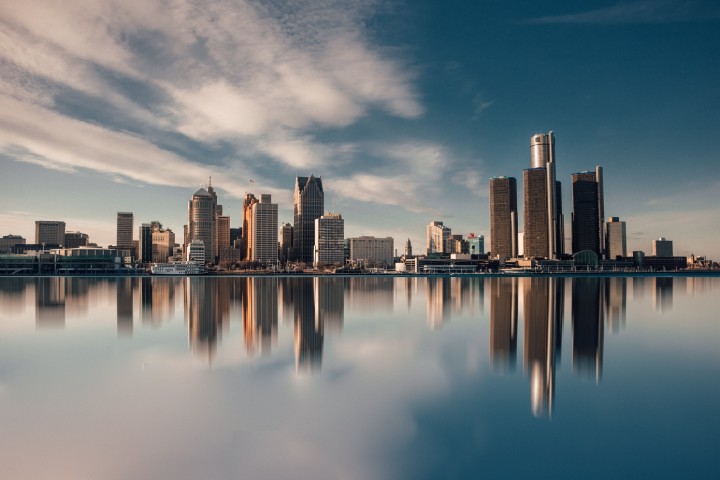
(503, 324)
(662, 294)
(124, 305)
(439, 298)
(308, 330)
(260, 315)
(50, 302)
(614, 302)
(13, 296)
(201, 314)
(587, 327)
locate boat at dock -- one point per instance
(182, 268)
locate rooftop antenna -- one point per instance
(210, 182)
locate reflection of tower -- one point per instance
(50, 302)
(308, 333)
(541, 309)
(638, 288)
(662, 294)
(77, 303)
(260, 315)
(615, 303)
(503, 324)
(588, 327)
(286, 294)
(330, 304)
(438, 301)
(125, 306)
(12, 296)
(201, 316)
(410, 283)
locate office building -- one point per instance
(50, 232)
(248, 202)
(222, 232)
(601, 209)
(235, 234)
(455, 244)
(196, 251)
(408, 249)
(370, 248)
(521, 244)
(475, 245)
(145, 244)
(163, 242)
(329, 239)
(75, 240)
(264, 231)
(309, 204)
(544, 221)
(7, 242)
(662, 247)
(585, 216)
(124, 230)
(503, 217)
(615, 242)
(201, 222)
(286, 241)
(437, 235)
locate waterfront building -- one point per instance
(601, 209)
(615, 238)
(50, 232)
(124, 230)
(475, 245)
(163, 243)
(196, 251)
(248, 202)
(347, 249)
(308, 205)
(222, 232)
(75, 240)
(201, 222)
(408, 249)
(662, 248)
(286, 241)
(264, 231)
(455, 244)
(437, 235)
(145, 244)
(503, 217)
(329, 239)
(7, 242)
(544, 221)
(585, 215)
(370, 248)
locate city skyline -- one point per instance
(406, 117)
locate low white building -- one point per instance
(370, 248)
(196, 252)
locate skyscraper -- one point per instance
(201, 222)
(330, 239)
(662, 247)
(286, 240)
(249, 201)
(585, 223)
(222, 233)
(615, 238)
(503, 217)
(437, 236)
(50, 232)
(601, 209)
(309, 204)
(124, 230)
(145, 244)
(544, 232)
(264, 230)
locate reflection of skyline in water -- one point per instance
(587, 328)
(503, 324)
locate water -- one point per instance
(354, 378)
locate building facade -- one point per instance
(286, 241)
(124, 230)
(615, 242)
(408, 249)
(662, 248)
(264, 230)
(201, 222)
(330, 239)
(145, 243)
(437, 235)
(248, 202)
(585, 215)
(163, 243)
(222, 232)
(50, 232)
(196, 251)
(309, 204)
(370, 248)
(75, 240)
(7, 242)
(503, 217)
(475, 245)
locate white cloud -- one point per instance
(649, 11)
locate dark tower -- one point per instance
(585, 216)
(308, 205)
(503, 217)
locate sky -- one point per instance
(406, 110)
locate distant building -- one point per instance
(248, 202)
(286, 241)
(475, 245)
(7, 242)
(521, 244)
(124, 230)
(50, 232)
(408, 249)
(662, 248)
(264, 230)
(222, 232)
(201, 222)
(437, 235)
(196, 251)
(503, 217)
(615, 238)
(75, 240)
(455, 244)
(329, 239)
(309, 204)
(163, 243)
(145, 243)
(235, 233)
(370, 248)
(586, 215)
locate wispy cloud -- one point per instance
(480, 104)
(649, 11)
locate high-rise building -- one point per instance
(437, 235)
(585, 223)
(309, 204)
(661, 247)
(615, 242)
(544, 221)
(235, 234)
(7, 242)
(222, 233)
(264, 230)
(601, 209)
(329, 239)
(503, 217)
(163, 243)
(475, 245)
(408, 249)
(50, 232)
(145, 243)
(75, 240)
(124, 230)
(201, 222)
(370, 248)
(286, 240)
(249, 201)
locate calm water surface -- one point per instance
(359, 378)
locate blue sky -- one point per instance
(406, 109)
